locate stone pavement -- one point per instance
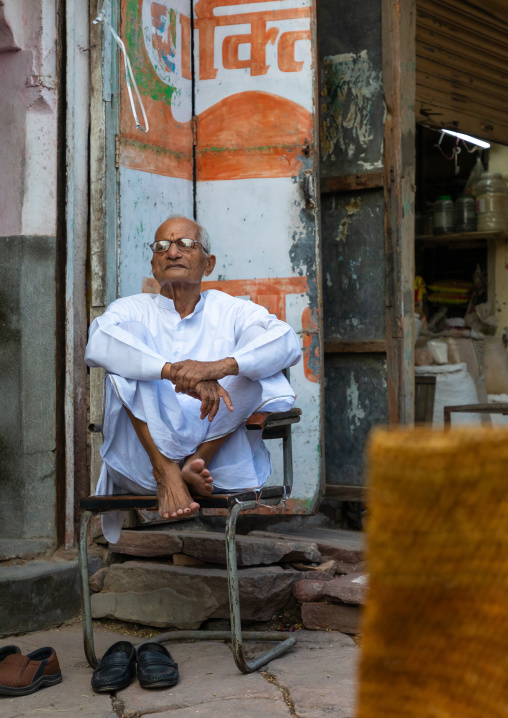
(317, 679)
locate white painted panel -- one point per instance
(251, 223)
(296, 86)
(146, 200)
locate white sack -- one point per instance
(454, 386)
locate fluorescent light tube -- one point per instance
(467, 138)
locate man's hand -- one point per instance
(210, 393)
(186, 375)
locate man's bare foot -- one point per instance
(195, 473)
(174, 498)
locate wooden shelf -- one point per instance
(461, 237)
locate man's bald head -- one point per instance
(200, 233)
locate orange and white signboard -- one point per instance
(229, 91)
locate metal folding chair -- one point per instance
(274, 426)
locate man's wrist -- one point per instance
(166, 370)
(230, 366)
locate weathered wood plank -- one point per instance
(346, 493)
(343, 346)
(399, 168)
(353, 265)
(355, 402)
(348, 183)
(351, 101)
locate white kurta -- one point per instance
(133, 340)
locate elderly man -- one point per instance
(185, 369)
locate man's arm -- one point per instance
(187, 374)
(199, 379)
(119, 351)
(273, 347)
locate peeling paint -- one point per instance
(350, 85)
(354, 410)
(351, 208)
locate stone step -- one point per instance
(332, 617)
(210, 547)
(345, 547)
(38, 594)
(159, 594)
(348, 589)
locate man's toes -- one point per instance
(197, 465)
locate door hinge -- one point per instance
(117, 151)
(194, 125)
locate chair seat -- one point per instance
(125, 502)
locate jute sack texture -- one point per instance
(436, 620)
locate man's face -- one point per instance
(177, 266)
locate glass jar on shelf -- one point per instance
(443, 215)
(492, 203)
(465, 213)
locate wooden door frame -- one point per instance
(399, 82)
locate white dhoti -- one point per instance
(175, 425)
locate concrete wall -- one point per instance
(28, 184)
(27, 387)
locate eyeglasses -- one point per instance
(184, 243)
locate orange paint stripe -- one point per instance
(152, 159)
(243, 164)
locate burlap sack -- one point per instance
(436, 620)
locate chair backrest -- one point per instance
(425, 391)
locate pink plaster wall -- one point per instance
(28, 117)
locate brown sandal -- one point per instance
(21, 675)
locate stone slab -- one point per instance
(96, 580)
(348, 589)
(313, 576)
(331, 616)
(209, 682)
(148, 543)
(347, 547)
(74, 695)
(16, 548)
(210, 547)
(164, 595)
(321, 678)
(309, 591)
(235, 708)
(206, 668)
(37, 595)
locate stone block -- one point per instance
(313, 576)
(28, 387)
(164, 595)
(345, 547)
(250, 551)
(37, 595)
(148, 543)
(96, 581)
(331, 616)
(348, 589)
(210, 546)
(309, 591)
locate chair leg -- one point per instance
(86, 607)
(234, 602)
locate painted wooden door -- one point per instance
(229, 90)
